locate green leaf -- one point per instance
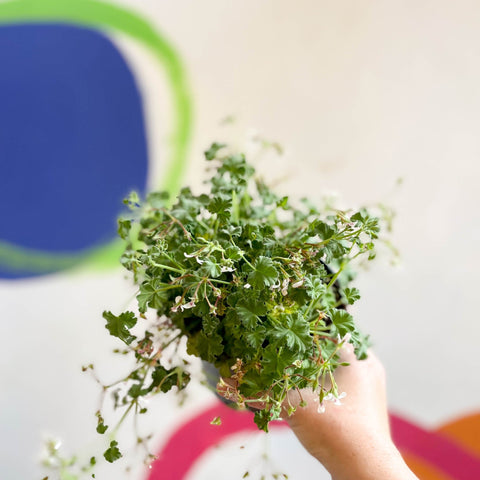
(119, 326)
(210, 324)
(152, 294)
(248, 318)
(210, 268)
(136, 390)
(368, 223)
(283, 203)
(101, 427)
(249, 309)
(352, 295)
(158, 199)
(293, 331)
(165, 379)
(234, 253)
(261, 418)
(256, 337)
(342, 320)
(209, 347)
(265, 273)
(266, 194)
(216, 421)
(314, 286)
(112, 453)
(211, 153)
(334, 249)
(124, 227)
(220, 206)
(324, 230)
(362, 344)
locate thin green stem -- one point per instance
(248, 263)
(167, 267)
(122, 419)
(220, 281)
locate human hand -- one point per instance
(351, 440)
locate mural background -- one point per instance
(98, 98)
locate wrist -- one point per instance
(370, 462)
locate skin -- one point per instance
(351, 440)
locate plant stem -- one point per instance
(166, 267)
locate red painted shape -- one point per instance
(193, 438)
(435, 449)
(196, 436)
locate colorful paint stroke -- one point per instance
(72, 132)
(451, 452)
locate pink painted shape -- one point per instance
(436, 449)
(194, 437)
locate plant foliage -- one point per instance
(254, 284)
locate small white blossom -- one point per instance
(345, 339)
(188, 305)
(275, 286)
(190, 255)
(177, 305)
(227, 269)
(321, 408)
(247, 286)
(298, 283)
(199, 261)
(285, 283)
(335, 399)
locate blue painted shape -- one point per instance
(72, 138)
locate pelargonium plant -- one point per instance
(254, 285)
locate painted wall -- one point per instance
(98, 98)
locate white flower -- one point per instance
(275, 286)
(321, 408)
(177, 304)
(345, 339)
(335, 399)
(188, 305)
(190, 255)
(199, 261)
(285, 283)
(298, 283)
(227, 269)
(247, 285)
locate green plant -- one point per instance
(247, 281)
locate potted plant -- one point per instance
(250, 283)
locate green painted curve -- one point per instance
(100, 15)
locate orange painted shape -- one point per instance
(422, 469)
(464, 431)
